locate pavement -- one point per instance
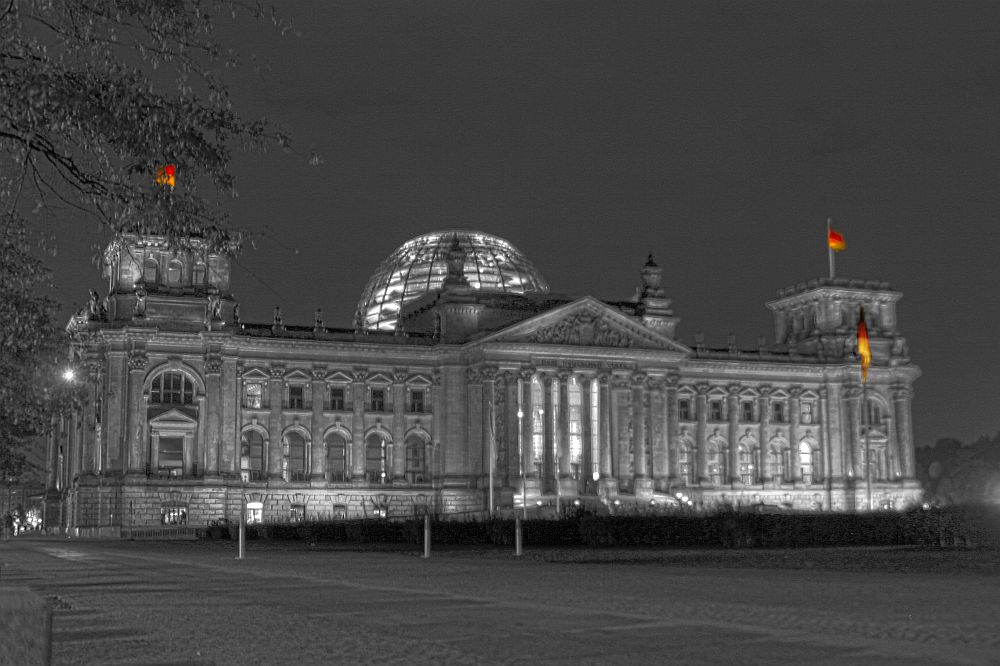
(159, 603)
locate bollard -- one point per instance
(243, 531)
(517, 537)
(427, 535)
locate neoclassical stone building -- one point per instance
(461, 369)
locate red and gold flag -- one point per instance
(864, 349)
(165, 175)
(835, 241)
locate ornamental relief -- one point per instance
(583, 328)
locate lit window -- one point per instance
(716, 409)
(684, 461)
(255, 513)
(296, 457)
(748, 410)
(296, 397)
(298, 513)
(377, 401)
(807, 412)
(684, 409)
(336, 458)
(806, 462)
(746, 465)
(337, 398)
(171, 388)
(174, 514)
(416, 401)
(253, 395)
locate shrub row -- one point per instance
(968, 526)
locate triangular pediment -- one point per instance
(586, 322)
(173, 418)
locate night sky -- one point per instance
(718, 136)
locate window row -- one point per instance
(336, 469)
(173, 274)
(754, 467)
(749, 411)
(338, 398)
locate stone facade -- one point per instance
(548, 397)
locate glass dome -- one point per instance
(421, 264)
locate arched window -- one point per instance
(171, 388)
(252, 457)
(874, 414)
(296, 456)
(716, 461)
(806, 461)
(149, 270)
(336, 458)
(746, 464)
(775, 463)
(375, 458)
(175, 270)
(415, 468)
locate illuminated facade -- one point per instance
(463, 380)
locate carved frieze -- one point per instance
(582, 328)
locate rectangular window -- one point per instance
(174, 515)
(748, 410)
(778, 412)
(416, 401)
(171, 455)
(253, 395)
(378, 400)
(298, 513)
(337, 398)
(716, 410)
(296, 397)
(684, 409)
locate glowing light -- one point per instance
(165, 175)
(68, 374)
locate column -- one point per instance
(620, 441)
(483, 436)
(511, 450)
(436, 450)
(317, 462)
(902, 397)
(821, 466)
(135, 413)
(604, 436)
(274, 443)
(762, 471)
(358, 425)
(92, 447)
(586, 431)
(673, 428)
(548, 469)
(213, 413)
(701, 409)
(733, 406)
(794, 414)
(639, 426)
(527, 413)
(399, 376)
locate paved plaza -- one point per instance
(193, 603)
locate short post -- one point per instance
(427, 535)
(243, 528)
(517, 537)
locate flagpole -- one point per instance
(492, 454)
(829, 250)
(868, 448)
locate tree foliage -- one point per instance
(95, 95)
(953, 473)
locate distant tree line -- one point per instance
(955, 473)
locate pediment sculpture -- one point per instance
(584, 328)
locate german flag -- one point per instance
(835, 241)
(864, 350)
(165, 175)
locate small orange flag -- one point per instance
(864, 349)
(165, 175)
(835, 241)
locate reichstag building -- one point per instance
(465, 384)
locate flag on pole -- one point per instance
(864, 350)
(835, 241)
(165, 175)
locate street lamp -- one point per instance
(520, 447)
(69, 374)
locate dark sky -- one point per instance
(719, 136)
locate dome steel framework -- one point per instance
(420, 266)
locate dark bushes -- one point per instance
(954, 526)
